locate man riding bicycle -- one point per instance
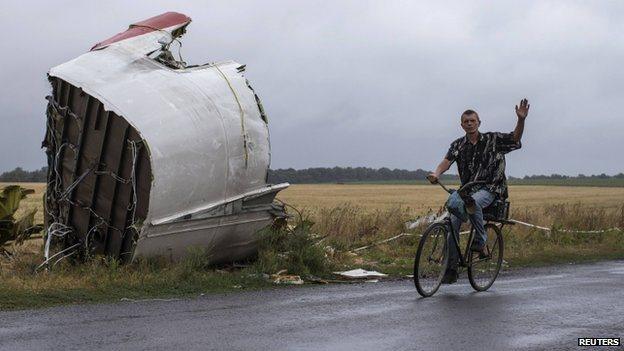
(480, 157)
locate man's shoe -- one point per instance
(480, 249)
(450, 276)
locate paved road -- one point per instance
(545, 308)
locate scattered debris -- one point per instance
(329, 251)
(127, 299)
(426, 219)
(317, 280)
(287, 279)
(282, 278)
(383, 241)
(360, 274)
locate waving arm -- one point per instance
(522, 112)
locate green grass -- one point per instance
(155, 285)
(399, 262)
(104, 280)
(350, 228)
(292, 249)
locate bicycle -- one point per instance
(433, 252)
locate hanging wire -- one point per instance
(58, 202)
(165, 48)
(242, 113)
(132, 207)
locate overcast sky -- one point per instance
(364, 83)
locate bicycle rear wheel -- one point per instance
(482, 272)
(431, 259)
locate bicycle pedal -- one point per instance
(481, 255)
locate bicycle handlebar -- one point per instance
(465, 186)
(443, 187)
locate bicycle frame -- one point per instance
(462, 257)
(447, 220)
(481, 277)
(463, 262)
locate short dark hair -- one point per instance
(470, 112)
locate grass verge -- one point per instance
(105, 280)
(524, 246)
(312, 246)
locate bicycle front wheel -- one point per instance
(431, 259)
(482, 272)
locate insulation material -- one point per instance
(148, 156)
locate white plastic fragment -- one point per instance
(287, 279)
(361, 273)
(420, 221)
(282, 278)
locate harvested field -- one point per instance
(32, 201)
(416, 199)
(420, 198)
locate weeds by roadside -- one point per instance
(105, 280)
(291, 248)
(313, 245)
(523, 246)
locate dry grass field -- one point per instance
(416, 199)
(32, 201)
(420, 198)
(345, 216)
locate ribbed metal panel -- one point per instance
(93, 153)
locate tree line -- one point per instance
(21, 175)
(325, 175)
(347, 175)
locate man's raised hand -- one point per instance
(523, 111)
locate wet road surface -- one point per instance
(540, 308)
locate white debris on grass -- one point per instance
(361, 273)
(413, 224)
(282, 278)
(288, 279)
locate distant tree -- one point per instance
(20, 175)
(347, 174)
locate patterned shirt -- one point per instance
(485, 160)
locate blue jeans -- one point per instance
(483, 199)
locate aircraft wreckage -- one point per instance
(149, 156)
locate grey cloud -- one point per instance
(365, 83)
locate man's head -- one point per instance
(470, 121)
